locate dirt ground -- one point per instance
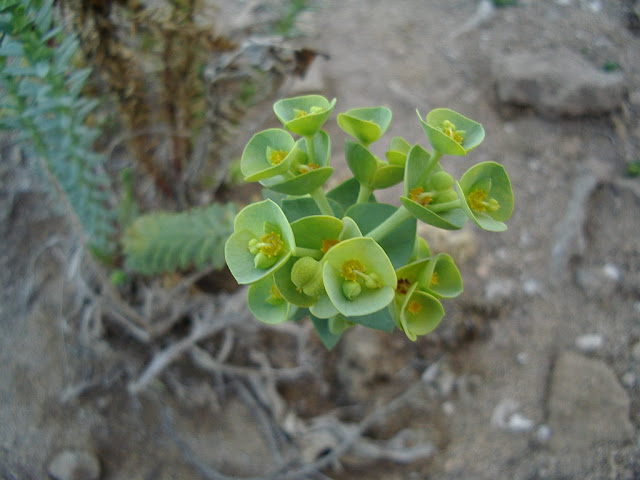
(533, 374)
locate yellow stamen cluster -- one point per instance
(414, 307)
(417, 195)
(449, 129)
(300, 113)
(271, 244)
(328, 243)
(307, 168)
(478, 201)
(351, 269)
(277, 156)
(434, 279)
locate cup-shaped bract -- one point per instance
(267, 154)
(398, 151)
(427, 206)
(289, 290)
(419, 313)
(361, 261)
(365, 124)
(451, 133)
(441, 277)
(486, 195)
(305, 174)
(317, 232)
(261, 243)
(370, 171)
(266, 302)
(304, 115)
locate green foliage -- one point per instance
(164, 242)
(505, 3)
(42, 101)
(633, 169)
(340, 256)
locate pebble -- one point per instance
(543, 434)
(74, 465)
(506, 417)
(589, 343)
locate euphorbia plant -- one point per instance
(339, 256)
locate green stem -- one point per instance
(433, 161)
(311, 149)
(308, 252)
(445, 207)
(322, 202)
(364, 194)
(390, 224)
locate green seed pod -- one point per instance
(441, 181)
(315, 286)
(304, 271)
(447, 196)
(262, 261)
(351, 289)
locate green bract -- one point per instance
(339, 256)
(451, 133)
(427, 202)
(304, 115)
(268, 153)
(261, 243)
(358, 261)
(486, 195)
(365, 124)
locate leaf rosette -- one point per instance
(486, 195)
(358, 277)
(451, 133)
(366, 124)
(304, 115)
(262, 242)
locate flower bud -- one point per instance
(447, 196)
(351, 289)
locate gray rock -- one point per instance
(557, 83)
(587, 405)
(589, 343)
(74, 465)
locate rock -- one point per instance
(589, 343)
(557, 83)
(587, 405)
(74, 465)
(505, 417)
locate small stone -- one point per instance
(589, 343)
(520, 423)
(557, 82)
(629, 379)
(448, 408)
(543, 434)
(587, 404)
(597, 281)
(74, 465)
(522, 358)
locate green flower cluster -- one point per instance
(340, 256)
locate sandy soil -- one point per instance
(492, 398)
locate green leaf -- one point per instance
(380, 320)
(361, 162)
(297, 208)
(166, 242)
(365, 124)
(441, 277)
(346, 194)
(328, 339)
(398, 151)
(387, 176)
(451, 220)
(302, 184)
(398, 246)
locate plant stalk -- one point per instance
(390, 224)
